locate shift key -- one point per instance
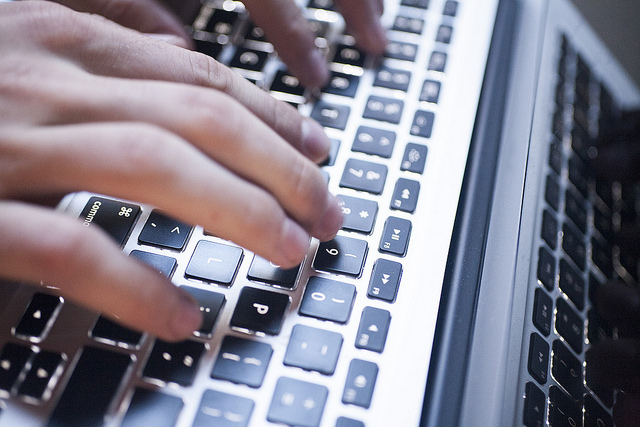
(115, 217)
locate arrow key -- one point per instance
(161, 230)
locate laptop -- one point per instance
(421, 310)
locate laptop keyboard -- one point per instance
(577, 219)
(305, 346)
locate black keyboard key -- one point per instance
(313, 349)
(91, 388)
(342, 255)
(297, 403)
(444, 34)
(383, 109)
(358, 214)
(328, 299)
(152, 408)
(249, 59)
(595, 415)
(364, 176)
(414, 158)
(437, 61)
(258, 310)
(408, 24)
(573, 244)
(331, 115)
(361, 380)
(210, 306)
(348, 422)
(265, 271)
(556, 156)
(222, 21)
(163, 264)
(38, 317)
(385, 280)
(373, 141)
(321, 4)
(575, 208)
(420, 4)
(214, 262)
(401, 50)
(284, 82)
(542, 311)
(242, 361)
(342, 84)
(546, 268)
(222, 409)
(572, 284)
(450, 8)
(210, 48)
(578, 175)
(534, 405)
(12, 360)
(349, 55)
(163, 231)
(174, 363)
(373, 329)
(567, 370)
(602, 257)
(405, 195)
(422, 124)
(395, 236)
(538, 365)
(430, 91)
(569, 325)
(392, 78)
(563, 411)
(114, 217)
(38, 383)
(549, 230)
(255, 33)
(107, 330)
(552, 192)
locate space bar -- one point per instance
(90, 389)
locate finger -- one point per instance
(145, 163)
(616, 364)
(619, 306)
(626, 411)
(288, 30)
(111, 50)
(219, 127)
(363, 22)
(39, 245)
(146, 16)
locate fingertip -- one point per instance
(186, 318)
(331, 219)
(315, 143)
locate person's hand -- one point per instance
(615, 363)
(281, 20)
(86, 104)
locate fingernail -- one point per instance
(295, 242)
(187, 318)
(332, 219)
(315, 142)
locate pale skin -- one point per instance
(87, 104)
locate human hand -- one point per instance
(86, 104)
(282, 21)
